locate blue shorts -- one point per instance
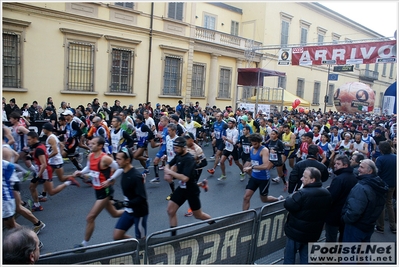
(161, 152)
(128, 219)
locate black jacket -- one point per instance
(299, 168)
(339, 188)
(308, 208)
(365, 202)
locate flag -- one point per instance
(333, 77)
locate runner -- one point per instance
(219, 131)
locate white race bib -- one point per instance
(95, 178)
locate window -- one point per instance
(121, 71)
(316, 93)
(80, 67)
(198, 80)
(284, 32)
(172, 75)
(391, 71)
(300, 87)
(282, 82)
(381, 99)
(320, 39)
(330, 94)
(384, 69)
(209, 22)
(234, 28)
(11, 60)
(224, 83)
(125, 4)
(175, 11)
(304, 36)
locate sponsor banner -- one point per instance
(342, 54)
(228, 241)
(348, 253)
(251, 107)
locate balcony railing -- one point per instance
(368, 75)
(224, 38)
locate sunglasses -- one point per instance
(125, 151)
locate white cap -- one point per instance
(67, 112)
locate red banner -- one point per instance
(342, 54)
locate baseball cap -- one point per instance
(189, 135)
(48, 126)
(244, 118)
(158, 104)
(377, 131)
(180, 141)
(308, 134)
(67, 113)
(232, 120)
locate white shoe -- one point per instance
(222, 178)
(276, 180)
(280, 198)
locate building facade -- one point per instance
(163, 52)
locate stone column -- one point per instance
(236, 93)
(213, 80)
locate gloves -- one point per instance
(120, 204)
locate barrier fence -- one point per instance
(245, 237)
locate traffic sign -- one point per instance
(343, 68)
(329, 61)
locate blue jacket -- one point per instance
(365, 202)
(386, 165)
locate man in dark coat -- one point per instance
(308, 208)
(310, 161)
(339, 188)
(364, 204)
(11, 107)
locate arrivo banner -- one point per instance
(342, 54)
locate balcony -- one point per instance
(368, 75)
(224, 38)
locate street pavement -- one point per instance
(65, 213)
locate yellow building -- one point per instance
(164, 52)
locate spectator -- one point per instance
(50, 102)
(117, 107)
(364, 204)
(150, 110)
(21, 246)
(62, 109)
(339, 188)
(179, 107)
(33, 111)
(106, 111)
(311, 161)
(386, 164)
(355, 161)
(12, 106)
(307, 209)
(51, 116)
(95, 105)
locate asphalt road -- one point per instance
(65, 213)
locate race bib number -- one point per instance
(217, 135)
(273, 157)
(95, 178)
(245, 149)
(229, 146)
(182, 184)
(255, 163)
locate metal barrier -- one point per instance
(270, 237)
(228, 241)
(117, 252)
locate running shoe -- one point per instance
(206, 144)
(189, 213)
(155, 180)
(204, 185)
(169, 197)
(280, 197)
(73, 181)
(242, 178)
(230, 161)
(161, 167)
(379, 230)
(146, 171)
(212, 157)
(276, 180)
(35, 208)
(79, 250)
(38, 228)
(30, 204)
(26, 176)
(211, 171)
(147, 163)
(42, 198)
(222, 178)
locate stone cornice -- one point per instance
(173, 48)
(125, 40)
(89, 34)
(16, 22)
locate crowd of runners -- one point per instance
(112, 136)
